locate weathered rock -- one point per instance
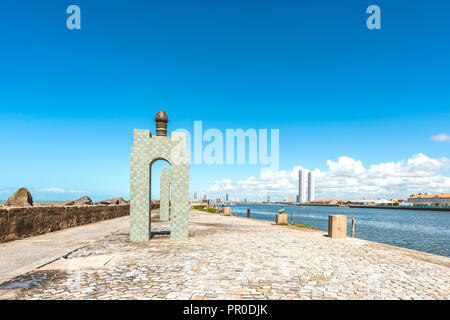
(65, 203)
(21, 198)
(113, 201)
(155, 204)
(83, 201)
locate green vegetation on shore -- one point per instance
(304, 226)
(201, 207)
(296, 225)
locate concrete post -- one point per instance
(337, 226)
(281, 218)
(353, 227)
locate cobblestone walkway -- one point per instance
(236, 258)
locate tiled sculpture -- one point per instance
(164, 194)
(147, 149)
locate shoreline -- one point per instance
(350, 206)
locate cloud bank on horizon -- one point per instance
(346, 179)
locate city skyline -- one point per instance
(349, 179)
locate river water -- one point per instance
(427, 231)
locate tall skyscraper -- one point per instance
(226, 197)
(303, 178)
(302, 186)
(311, 186)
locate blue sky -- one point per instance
(69, 99)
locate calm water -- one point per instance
(427, 231)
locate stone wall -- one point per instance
(18, 223)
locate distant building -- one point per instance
(331, 201)
(302, 186)
(442, 199)
(378, 202)
(226, 197)
(304, 178)
(291, 198)
(296, 199)
(405, 204)
(268, 198)
(245, 200)
(311, 186)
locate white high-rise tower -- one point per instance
(311, 186)
(302, 186)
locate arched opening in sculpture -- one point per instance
(160, 172)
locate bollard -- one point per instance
(281, 218)
(337, 226)
(292, 218)
(353, 227)
(248, 213)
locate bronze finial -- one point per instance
(161, 120)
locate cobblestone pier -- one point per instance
(229, 257)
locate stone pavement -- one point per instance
(229, 257)
(22, 256)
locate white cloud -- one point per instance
(347, 178)
(53, 190)
(441, 137)
(59, 190)
(346, 167)
(76, 191)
